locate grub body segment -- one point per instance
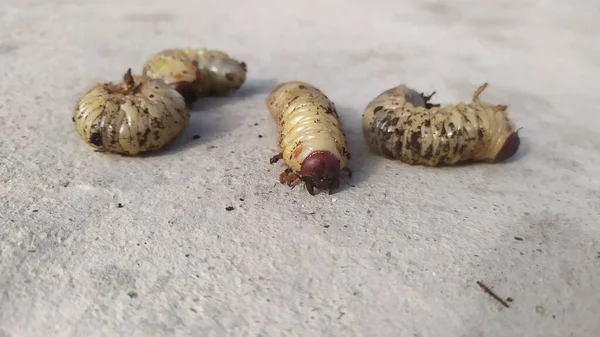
(197, 72)
(146, 117)
(401, 124)
(311, 139)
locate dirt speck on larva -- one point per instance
(229, 208)
(518, 238)
(120, 205)
(196, 137)
(132, 294)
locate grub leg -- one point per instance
(285, 176)
(294, 180)
(276, 158)
(478, 92)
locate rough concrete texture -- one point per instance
(397, 253)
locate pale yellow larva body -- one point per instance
(401, 124)
(308, 126)
(197, 72)
(136, 116)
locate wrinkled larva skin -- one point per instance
(197, 72)
(135, 116)
(401, 124)
(310, 136)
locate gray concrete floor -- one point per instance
(398, 253)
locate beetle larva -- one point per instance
(310, 136)
(401, 124)
(138, 115)
(197, 72)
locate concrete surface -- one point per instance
(398, 253)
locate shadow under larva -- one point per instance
(136, 116)
(402, 124)
(311, 139)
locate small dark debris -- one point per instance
(255, 124)
(35, 211)
(187, 255)
(352, 185)
(66, 184)
(341, 315)
(132, 294)
(509, 299)
(120, 205)
(260, 136)
(268, 300)
(553, 316)
(32, 251)
(194, 310)
(540, 309)
(196, 137)
(229, 208)
(491, 293)
(368, 211)
(241, 199)
(326, 226)
(518, 238)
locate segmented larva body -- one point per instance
(310, 136)
(135, 116)
(401, 124)
(197, 72)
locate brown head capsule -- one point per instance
(135, 116)
(310, 136)
(401, 124)
(197, 72)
